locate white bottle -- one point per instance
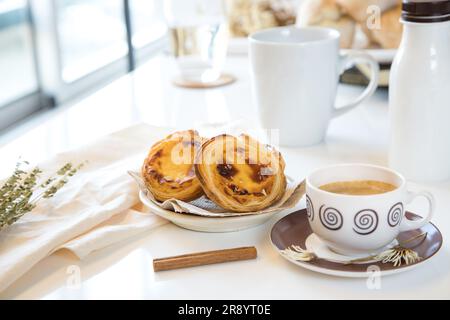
(419, 93)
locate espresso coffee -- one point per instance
(363, 208)
(358, 187)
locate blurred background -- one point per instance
(55, 51)
(52, 51)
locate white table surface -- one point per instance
(125, 271)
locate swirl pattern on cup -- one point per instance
(365, 222)
(395, 214)
(331, 218)
(309, 208)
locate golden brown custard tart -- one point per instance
(240, 174)
(168, 170)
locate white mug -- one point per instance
(295, 73)
(360, 224)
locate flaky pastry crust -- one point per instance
(240, 174)
(168, 170)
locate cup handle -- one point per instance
(350, 59)
(408, 224)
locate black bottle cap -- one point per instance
(426, 11)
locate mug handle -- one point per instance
(348, 60)
(408, 224)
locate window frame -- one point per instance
(52, 89)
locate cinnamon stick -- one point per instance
(204, 258)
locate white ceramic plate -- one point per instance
(381, 55)
(205, 224)
(239, 46)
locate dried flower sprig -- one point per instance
(401, 253)
(397, 255)
(297, 253)
(22, 191)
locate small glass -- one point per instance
(199, 38)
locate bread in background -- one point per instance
(390, 33)
(248, 16)
(357, 9)
(326, 13)
(350, 18)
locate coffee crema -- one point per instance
(358, 187)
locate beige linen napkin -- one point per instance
(93, 198)
(119, 227)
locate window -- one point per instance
(54, 50)
(17, 69)
(148, 23)
(91, 33)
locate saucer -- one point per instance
(294, 229)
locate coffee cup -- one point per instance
(295, 73)
(352, 222)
